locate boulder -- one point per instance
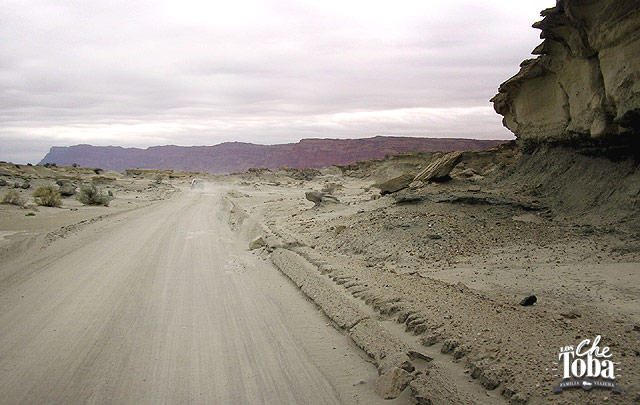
(585, 81)
(319, 198)
(66, 188)
(398, 359)
(391, 384)
(440, 168)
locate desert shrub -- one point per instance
(30, 214)
(158, 179)
(90, 195)
(47, 196)
(13, 197)
(74, 165)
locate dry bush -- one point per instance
(90, 195)
(47, 196)
(13, 197)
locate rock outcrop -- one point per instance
(585, 83)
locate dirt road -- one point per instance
(165, 305)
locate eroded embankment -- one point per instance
(375, 263)
(404, 360)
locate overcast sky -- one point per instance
(143, 73)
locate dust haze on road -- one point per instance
(164, 304)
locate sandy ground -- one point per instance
(161, 303)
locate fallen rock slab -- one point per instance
(395, 184)
(440, 168)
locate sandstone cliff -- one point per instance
(238, 157)
(585, 83)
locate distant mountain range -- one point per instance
(232, 157)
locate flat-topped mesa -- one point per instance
(585, 82)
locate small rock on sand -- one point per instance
(257, 243)
(391, 384)
(530, 300)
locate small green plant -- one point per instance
(47, 196)
(30, 214)
(89, 194)
(13, 198)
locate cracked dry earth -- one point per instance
(453, 274)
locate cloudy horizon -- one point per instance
(148, 73)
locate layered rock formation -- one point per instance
(585, 83)
(238, 157)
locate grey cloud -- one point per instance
(137, 73)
